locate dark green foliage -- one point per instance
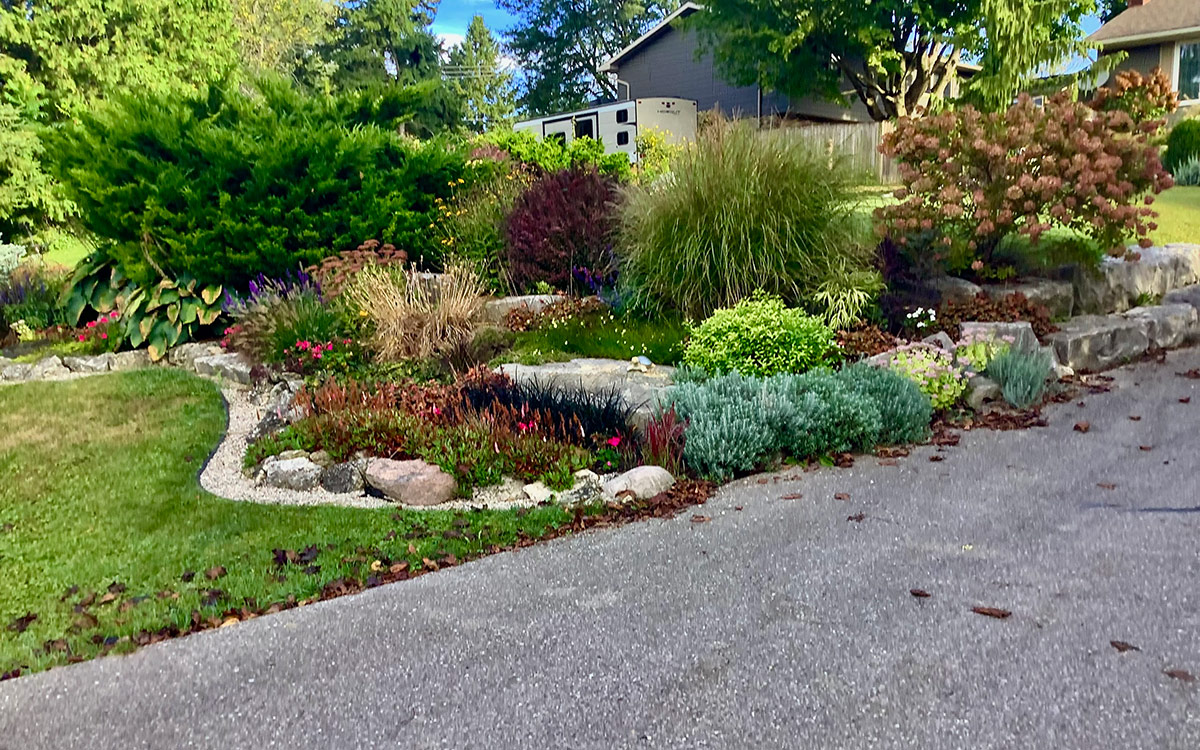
(1183, 144)
(564, 221)
(905, 411)
(739, 424)
(1022, 376)
(223, 187)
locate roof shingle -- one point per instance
(1154, 18)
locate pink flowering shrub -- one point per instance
(970, 179)
(104, 334)
(308, 357)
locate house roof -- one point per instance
(688, 9)
(1155, 21)
(661, 27)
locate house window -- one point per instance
(622, 116)
(622, 139)
(1189, 71)
(584, 129)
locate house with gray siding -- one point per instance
(667, 61)
(1158, 34)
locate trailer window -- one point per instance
(560, 137)
(622, 116)
(622, 139)
(584, 129)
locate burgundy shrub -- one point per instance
(565, 220)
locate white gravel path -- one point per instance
(224, 478)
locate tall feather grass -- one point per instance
(744, 210)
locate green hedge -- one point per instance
(224, 186)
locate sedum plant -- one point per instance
(760, 336)
(935, 372)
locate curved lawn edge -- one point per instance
(115, 545)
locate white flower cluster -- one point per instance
(922, 318)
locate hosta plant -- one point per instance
(158, 317)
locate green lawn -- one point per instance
(1179, 216)
(101, 496)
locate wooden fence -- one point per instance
(858, 142)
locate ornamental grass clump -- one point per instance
(740, 211)
(275, 314)
(406, 319)
(760, 336)
(1022, 376)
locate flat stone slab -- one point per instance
(99, 363)
(1091, 343)
(1057, 296)
(233, 367)
(1189, 295)
(495, 311)
(1120, 285)
(641, 390)
(1019, 336)
(1168, 326)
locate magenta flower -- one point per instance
(614, 442)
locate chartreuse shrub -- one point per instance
(552, 155)
(760, 336)
(221, 186)
(744, 210)
(737, 423)
(1022, 376)
(1183, 144)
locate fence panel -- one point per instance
(858, 142)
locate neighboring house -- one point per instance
(1158, 34)
(664, 62)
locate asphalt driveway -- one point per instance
(777, 623)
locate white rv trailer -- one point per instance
(617, 125)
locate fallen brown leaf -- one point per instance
(737, 507)
(857, 517)
(215, 572)
(843, 496)
(701, 519)
(996, 612)
(1145, 448)
(920, 593)
(1180, 674)
(22, 623)
(1135, 419)
(1083, 427)
(1187, 400)
(1106, 486)
(889, 462)
(793, 496)
(937, 457)
(1122, 646)
(1190, 374)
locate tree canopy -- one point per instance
(479, 81)
(561, 45)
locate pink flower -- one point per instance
(614, 442)
(82, 337)
(91, 324)
(316, 353)
(104, 335)
(114, 316)
(436, 411)
(329, 347)
(347, 342)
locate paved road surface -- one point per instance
(780, 625)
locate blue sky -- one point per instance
(454, 15)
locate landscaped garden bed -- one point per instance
(540, 340)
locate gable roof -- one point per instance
(1154, 21)
(659, 28)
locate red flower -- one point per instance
(614, 442)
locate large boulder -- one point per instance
(640, 390)
(410, 482)
(1091, 343)
(1057, 296)
(954, 289)
(1120, 285)
(1020, 335)
(496, 311)
(291, 474)
(232, 367)
(184, 356)
(343, 479)
(644, 482)
(99, 363)
(49, 368)
(1168, 326)
(134, 360)
(17, 371)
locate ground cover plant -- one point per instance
(590, 329)
(742, 211)
(737, 424)
(105, 548)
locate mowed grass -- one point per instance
(101, 497)
(1179, 216)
